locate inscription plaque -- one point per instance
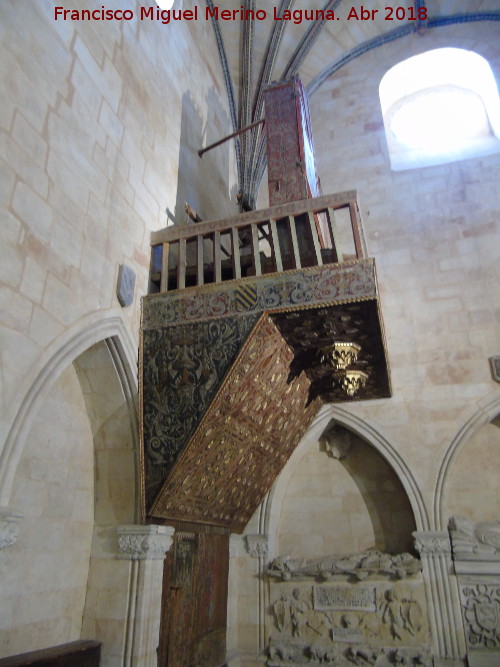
(347, 635)
(342, 598)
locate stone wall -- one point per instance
(44, 575)
(100, 125)
(434, 234)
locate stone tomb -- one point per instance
(373, 612)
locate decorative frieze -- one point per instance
(144, 542)
(9, 527)
(359, 566)
(257, 545)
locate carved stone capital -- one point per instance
(432, 542)
(257, 545)
(144, 542)
(9, 527)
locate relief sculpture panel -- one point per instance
(344, 619)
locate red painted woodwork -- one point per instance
(193, 625)
(290, 152)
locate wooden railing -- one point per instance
(310, 232)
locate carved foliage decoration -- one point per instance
(481, 612)
(347, 281)
(138, 542)
(245, 438)
(183, 368)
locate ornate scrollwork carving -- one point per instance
(144, 542)
(9, 527)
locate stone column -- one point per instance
(145, 547)
(448, 643)
(257, 547)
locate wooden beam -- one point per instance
(256, 250)
(199, 261)
(276, 246)
(235, 244)
(315, 238)
(164, 268)
(293, 234)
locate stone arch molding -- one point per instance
(271, 507)
(486, 412)
(64, 351)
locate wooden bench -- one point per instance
(81, 653)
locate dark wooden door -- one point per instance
(194, 603)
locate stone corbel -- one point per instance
(144, 542)
(9, 527)
(257, 546)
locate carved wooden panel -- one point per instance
(194, 601)
(290, 153)
(244, 440)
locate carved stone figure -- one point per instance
(404, 615)
(475, 540)
(359, 566)
(298, 612)
(281, 609)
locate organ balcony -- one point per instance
(252, 322)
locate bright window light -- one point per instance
(440, 106)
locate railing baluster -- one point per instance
(284, 227)
(332, 226)
(235, 246)
(276, 246)
(200, 269)
(181, 266)
(355, 230)
(315, 238)
(293, 233)
(217, 258)
(255, 250)
(164, 268)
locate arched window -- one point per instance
(440, 106)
